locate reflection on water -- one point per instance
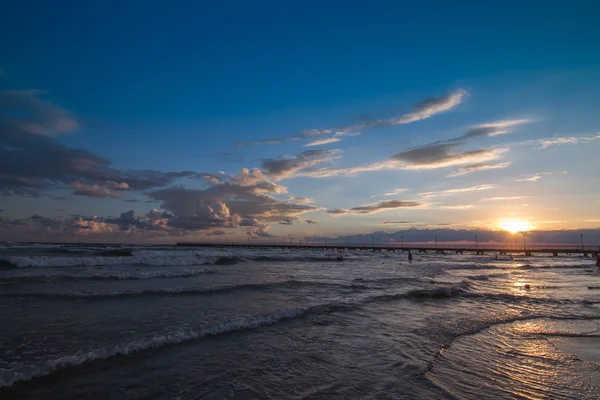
(516, 360)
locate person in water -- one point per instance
(340, 258)
(598, 260)
(409, 256)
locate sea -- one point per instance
(83, 321)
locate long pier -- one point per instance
(528, 250)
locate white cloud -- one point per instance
(504, 198)
(478, 167)
(458, 190)
(549, 142)
(395, 192)
(533, 178)
(322, 141)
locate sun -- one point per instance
(515, 225)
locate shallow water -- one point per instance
(167, 322)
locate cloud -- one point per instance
(458, 190)
(322, 141)
(421, 110)
(32, 160)
(377, 207)
(261, 232)
(395, 192)
(533, 178)
(549, 142)
(247, 199)
(492, 128)
(337, 211)
(27, 111)
(286, 221)
(93, 190)
(287, 167)
(336, 171)
(457, 207)
(478, 167)
(504, 198)
(441, 155)
(311, 221)
(301, 200)
(396, 222)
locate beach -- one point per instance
(102, 321)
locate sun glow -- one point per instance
(515, 225)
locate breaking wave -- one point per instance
(7, 378)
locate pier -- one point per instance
(479, 249)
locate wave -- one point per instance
(444, 291)
(8, 378)
(187, 291)
(107, 276)
(45, 261)
(488, 324)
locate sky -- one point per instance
(148, 121)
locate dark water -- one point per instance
(163, 322)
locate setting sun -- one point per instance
(515, 225)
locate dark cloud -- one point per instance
(32, 160)
(395, 222)
(81, 189)
(246, 199)
(311, 221)
(441, 155)
(337, 211)
(377, 207)
(286, 221)
(287, 167)
(8, 222)
(383, 205)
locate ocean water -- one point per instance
(100, 322)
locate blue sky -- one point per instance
(100, 101)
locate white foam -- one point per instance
(8, 377)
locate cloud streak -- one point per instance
(422, 110)
(441, 156)
(533, 178)
(478, 167)
(288, 167)
(550, 142)
(435, 155)
(449, 192)
(377, 207)
(321, 142)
